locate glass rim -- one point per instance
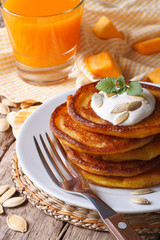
(53, 15)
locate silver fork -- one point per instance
(114, 222)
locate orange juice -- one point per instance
(43, 33)
(37, 8)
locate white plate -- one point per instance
(38, 122)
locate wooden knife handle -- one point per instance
(120, 228)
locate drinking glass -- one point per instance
(44, 47)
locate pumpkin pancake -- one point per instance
(145, 153)
(72, 135)
(147, 179)
(80, 110)
(107, 168)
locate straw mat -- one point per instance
(146, 223)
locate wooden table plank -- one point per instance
(85, 234)
(6, 138)
(5, 145)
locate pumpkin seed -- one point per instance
(17, 223)
(110, 94)
(132, 106)
(97, 100)
(122, 118)
(1, 209)
(139, 98)
(3, 189)
(26, 104)
(9, 103)
(7, 194)
(4, 125)
(11, 117)
(14, 202)
(139, 200)
(142, 191)
(4, 109)
(120, 108)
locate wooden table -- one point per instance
(40, 225)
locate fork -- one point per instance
(114, 222)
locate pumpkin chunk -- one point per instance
(148, 47)
(154, 76)
(105, 29)
(103, 65)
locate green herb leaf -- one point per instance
(107, 85)
(121, 82)
(134, 88)
(119, 86)
(121, 91)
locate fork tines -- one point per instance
(53, 159)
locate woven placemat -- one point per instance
(146, 223)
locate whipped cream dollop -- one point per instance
(104, 106)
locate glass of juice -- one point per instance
(44, 37)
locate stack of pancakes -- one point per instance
(105, 154)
